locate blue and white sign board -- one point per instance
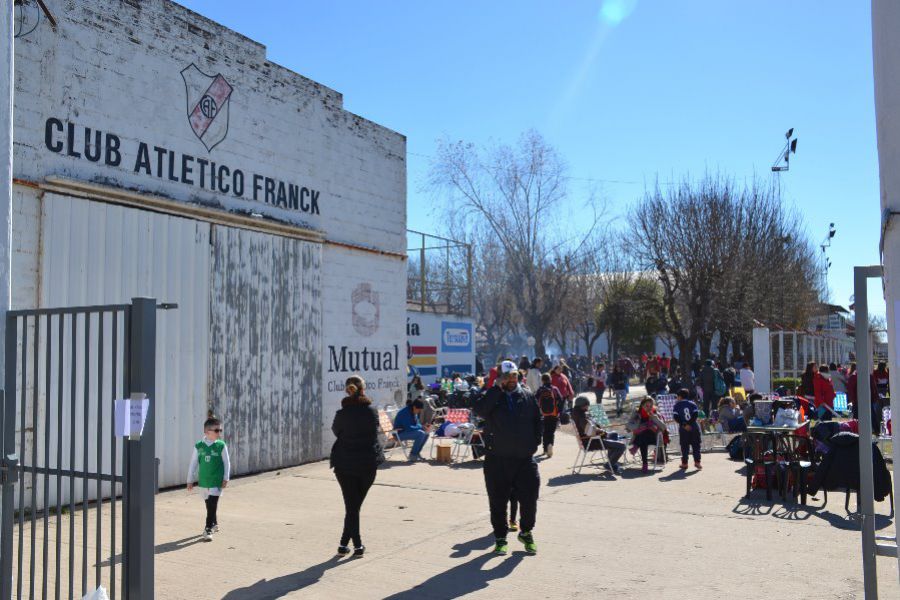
(439, 345)
(456, 336)
(131, 415)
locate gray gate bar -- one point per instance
(48, 378)
(140, 478)
(861, 277)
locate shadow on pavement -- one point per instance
(466, 578)
(467, 548)
(679, 475)
(161, 548)
(270, 589)
(788, 511)
(570, 479)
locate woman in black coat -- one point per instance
(355, 456)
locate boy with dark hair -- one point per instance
(211, 468)
(685, 413)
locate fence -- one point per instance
(791, 350)
(76, 499)
(439, 275)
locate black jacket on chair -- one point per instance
(839, 469)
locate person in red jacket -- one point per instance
(562, 383)
(823, 394)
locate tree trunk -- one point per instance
(723, 350)
(705, 346)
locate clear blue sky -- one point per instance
(625, 89)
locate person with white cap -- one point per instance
(513, 432)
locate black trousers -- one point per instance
(212, 503)
(690, 441)
(644, 440)
(354, 487)
(504, 477)
(550, 424)
(513, 507)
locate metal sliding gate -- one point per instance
(77, 501)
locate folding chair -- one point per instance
(387, 428)
(582, 459)
(666, 405)
(599, 416)
(885, 435)
(457, 416)
(840, 403)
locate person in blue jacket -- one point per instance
(685, 413)
(409, 427)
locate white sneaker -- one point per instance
(215, 529)
(550, 451)
(207, 535)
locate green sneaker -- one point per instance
(526, 538)
(501, 548)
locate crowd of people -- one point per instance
(520, 406)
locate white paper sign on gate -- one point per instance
(131, 415)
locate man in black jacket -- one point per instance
(513, 433)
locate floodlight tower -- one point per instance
(783, 161)
(826, 243)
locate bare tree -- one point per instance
(519, 193)
(723, 257)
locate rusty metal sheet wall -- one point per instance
(265, 347)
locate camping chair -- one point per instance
(885, 435)
(458, 416)
(387, 428)
(599, 417)
(759, 454)
(666, 405)
(840, 403)
(589, 458)
(793, 458)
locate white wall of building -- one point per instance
(126, 78)
(361, 314)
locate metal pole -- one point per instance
(10, 461)
(7, 89)
(866, 484)
(794, 357)
(140, 482)
(422, 270)
(469, 278)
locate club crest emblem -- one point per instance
(366, 310)
(208, 99)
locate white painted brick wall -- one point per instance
(116, 66)
(26, 250)
(344, 270)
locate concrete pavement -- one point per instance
(665, 535)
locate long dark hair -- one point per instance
(355, 386)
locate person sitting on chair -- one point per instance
(583, 423)
(644, 426)
(409, 427)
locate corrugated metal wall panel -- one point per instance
(265, 347)
(96, 253)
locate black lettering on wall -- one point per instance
(112, 158)
(70, 141)
(142, 161)
(53, 125)
(92, 147)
